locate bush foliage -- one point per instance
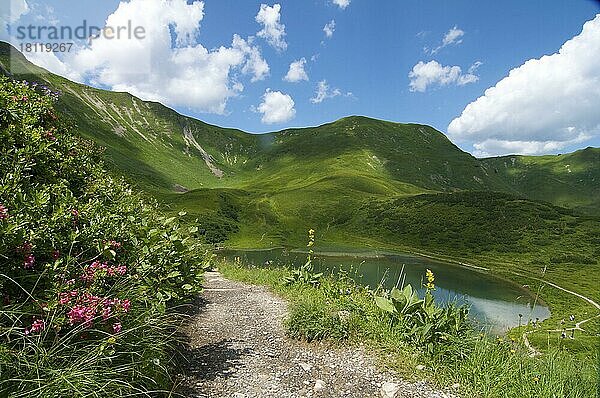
(88, 267)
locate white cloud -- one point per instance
(296, 72)
(273, 30)
(453, 36)
(276, 107)
(10, 12)
(341, 3)
(324, 92)
(186, 74)
(433, 73)
(329, 28)
(541, 106)
(254, 64)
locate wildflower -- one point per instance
(571, 318)
(37, 326)
(88, 275)
(430, 279)
(121, 270)
(106, 313)
(64, 298)
(536, 379)
(3, 212)
(81, 314)
(117, 327)
(29, 261)
(126, 304)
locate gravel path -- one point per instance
(238, 349)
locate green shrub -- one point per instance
(88, 268)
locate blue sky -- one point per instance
(365, 64)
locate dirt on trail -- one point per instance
(238, 348)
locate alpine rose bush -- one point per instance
(89, 269)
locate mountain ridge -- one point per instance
(274, 185)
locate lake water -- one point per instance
(494, 303)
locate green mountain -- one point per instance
(569, 180)
(268, 189)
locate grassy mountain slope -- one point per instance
(264, 190)
(569, 180)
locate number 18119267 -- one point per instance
(46, 47)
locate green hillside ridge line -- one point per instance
(148, 141)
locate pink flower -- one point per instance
(126, 304)
(117, 327)
(121, 269)
(89, 272)
(114, 244)
(70, 282)
(81, 314)
(37, 326)
(29, 261)
(3, 212)
(64, 298)
(106, 313)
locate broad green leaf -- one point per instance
(385, 304)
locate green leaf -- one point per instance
(385, 304)
(187, 286)
(396, 294)
(173, 274)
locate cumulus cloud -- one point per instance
(541, 106)
(168, 64)
(273, 30)
(341, 3)
(329, 28)
(296, 73)
(452, 37)
(276, 107)
(432, 73)
(254, 63)
(324, 92)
